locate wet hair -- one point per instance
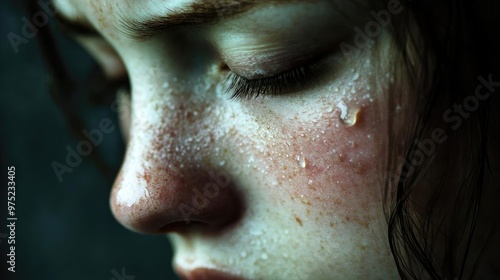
(440, 51)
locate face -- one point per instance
(253, 141)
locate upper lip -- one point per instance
(205, 274)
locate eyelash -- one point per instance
(287, 82)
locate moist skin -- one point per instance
(305, 172)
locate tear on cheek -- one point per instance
(340, 149)
(341, 174)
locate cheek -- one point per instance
(324, 158)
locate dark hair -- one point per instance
(445, 49)
(442, 48)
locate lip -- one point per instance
(205, 274)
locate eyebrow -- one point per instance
(197, 13)
(202, 12)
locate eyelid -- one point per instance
(263, 65)
(256, 57)
(289, 81)
(260, 65)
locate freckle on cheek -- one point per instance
(332, 165)
(299, 221)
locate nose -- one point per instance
(164, 186)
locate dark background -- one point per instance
(65, 230)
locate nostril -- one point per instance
(204, 202)
(208, 213)
(182, 226)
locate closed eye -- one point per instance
(289, 82)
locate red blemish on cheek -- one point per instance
(339, 177)
(337, 149)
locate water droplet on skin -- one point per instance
(243, 254)
(343, 109)
(301, 161)
(222, 163)
(310, 182)
(348, 118)
(356, 76)
(264, 256)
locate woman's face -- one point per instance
(283, 185)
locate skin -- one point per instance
(298, 174)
